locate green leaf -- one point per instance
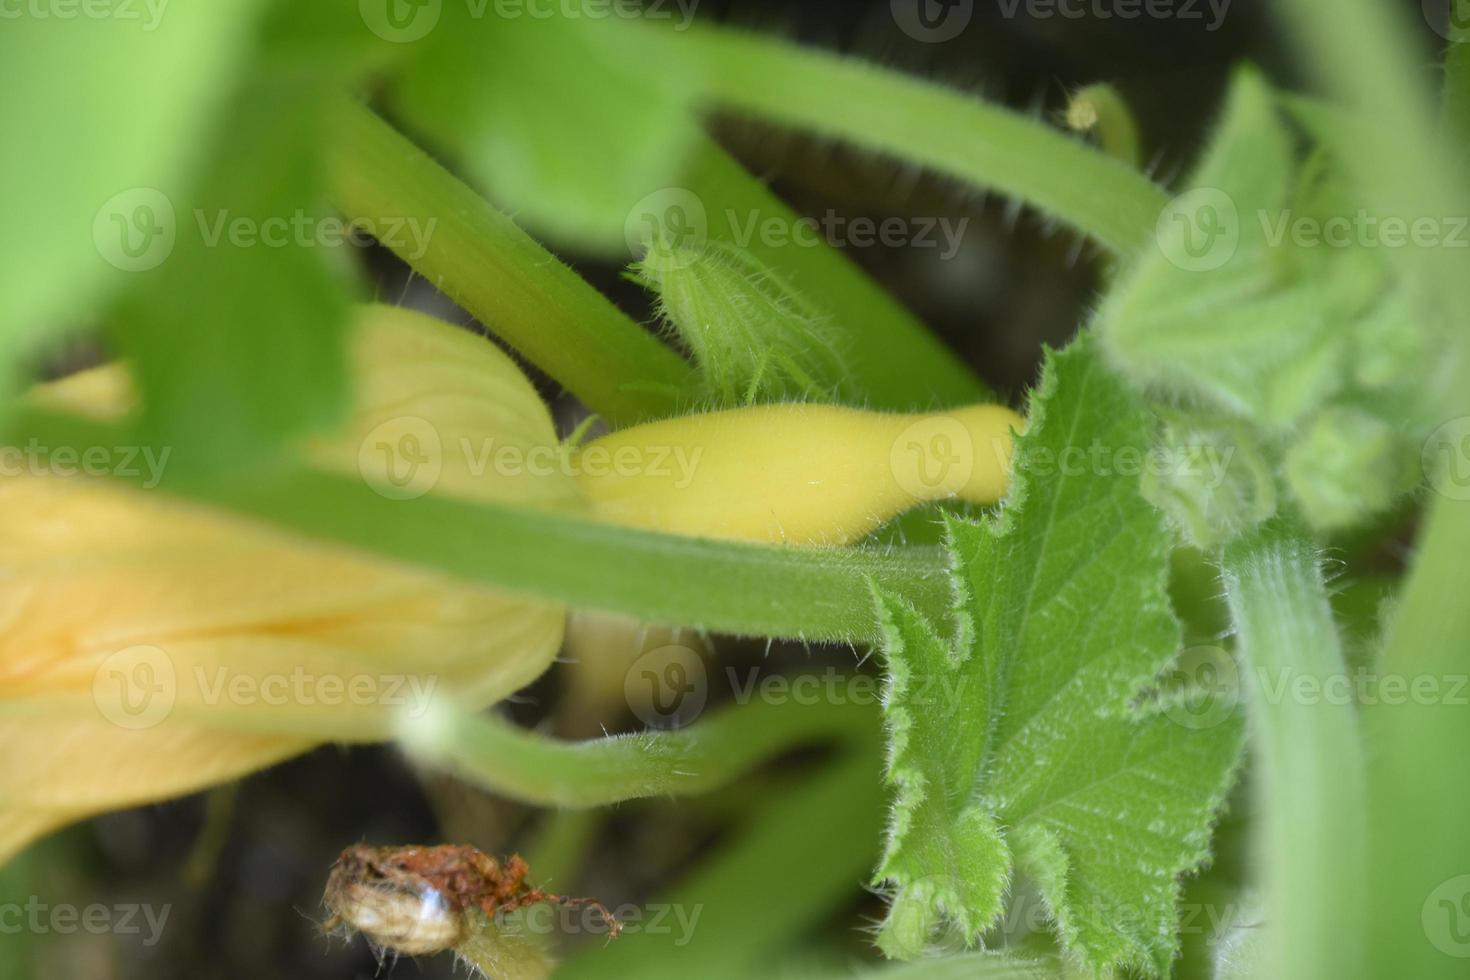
(568, 120)
(1270, 297)
(1202, 314)
(484, 262)
(1017, 742)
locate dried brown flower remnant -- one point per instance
(414, 900)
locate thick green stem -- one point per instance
(800, 593)
(1308, 755)
(484, 262)
(1420, 778)
(1421, 782)
(919, 121)
(496, 755)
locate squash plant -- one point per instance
(1118, 630)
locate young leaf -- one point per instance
(1041, 761)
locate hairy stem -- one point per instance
(934, 126)
(495, 755)
(484, 262)
(1309, 759)
(757, 590)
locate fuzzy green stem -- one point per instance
(484, 262)
(495, 755)
(757, 590)
(1309, 758)
(1420, 780)
(934, 126)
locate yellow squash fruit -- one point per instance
(794, 474)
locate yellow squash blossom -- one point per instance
(150, 647)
